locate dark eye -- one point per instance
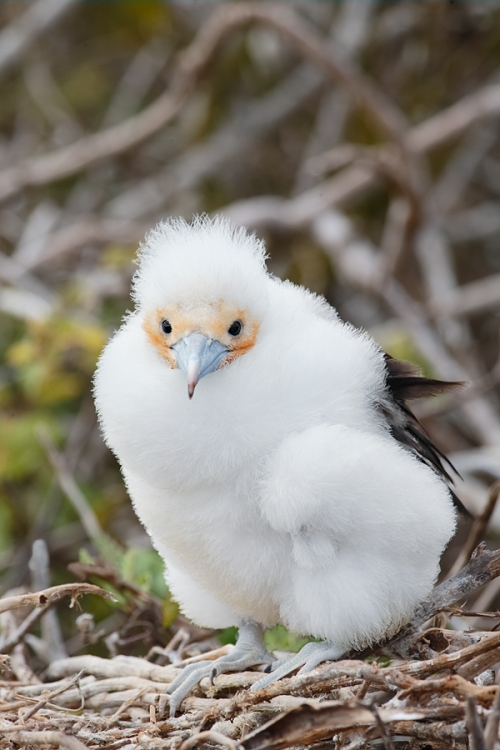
(166, 327)
(235, 328)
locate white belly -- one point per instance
(217, 536)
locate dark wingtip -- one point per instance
(406, 383)
(460, 506)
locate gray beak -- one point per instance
(197, 356)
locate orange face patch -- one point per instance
(212, 320)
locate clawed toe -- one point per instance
(185, 682)
(309, 657)
(248, 652)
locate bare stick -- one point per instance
(432, 133)
(53, 594)
(84, 232)
(50, 696)
(476, 737)
(468, 299)
(449, 123)
(478, 528)
(53, 642)
(483, 567)
(215, 738)
(192, 62)
(348, 34)
(16, 38)
(70, 488)
(16, 637)
(491, 729)
(386, 738)
(59, 739)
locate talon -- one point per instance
(306, 659)
(249, 651)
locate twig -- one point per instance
(53, 595)
(476, 737)
(449, 123)
(106, 573)
(434, 255)
(394, 236)
(20, 667)
(7, 644)
(468, 299)
(107, 668)
(483, 567)
(45, 602)
(50, 696)
(461, 168)
(386, 739)
(348, 34)
(478, 528)
(492, 722)
(16, 38)
(215, 738)
(51, 630)
(70, 488)
(243, 128)
(26, 738)
(85, 232)
(113, 141)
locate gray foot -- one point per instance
(249, 651)
(307, 658)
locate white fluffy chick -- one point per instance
(295, 487)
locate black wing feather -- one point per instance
(404, 383)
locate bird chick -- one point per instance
(269, 452)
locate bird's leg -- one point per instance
(307, 658)
(249, 651)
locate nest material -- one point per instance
(427, 686)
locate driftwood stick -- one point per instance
(39, 17)
(483, 567)
(478, 528)
(25, 738)
(53, 594)
(191, 63)
(216, 738)
(474, 728)
(16, 637)
(50, 696)
(491, 728)
(67, 482)
(108, 668)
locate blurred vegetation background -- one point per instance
(105, 129)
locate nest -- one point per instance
(427, 687)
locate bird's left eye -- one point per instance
(165, 326)
(235, 328)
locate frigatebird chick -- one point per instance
(269, 452)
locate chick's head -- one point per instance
(201, 293)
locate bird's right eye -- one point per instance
(165, 326)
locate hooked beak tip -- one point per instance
(191, 387)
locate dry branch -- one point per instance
(44, 738)
(53, 595)
(115, 140)
(16, 38)
(477, 531)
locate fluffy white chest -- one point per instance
(217, 535)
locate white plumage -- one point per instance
(278, 494)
